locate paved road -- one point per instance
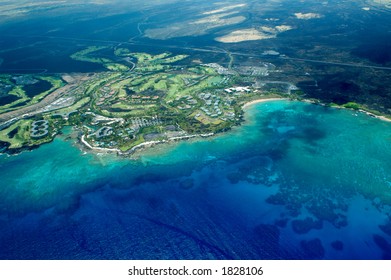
(337, 63)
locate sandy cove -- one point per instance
(383, 118)
(262, 101)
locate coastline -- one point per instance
(148, 144)
(383, 118)
(169, 140)
(380, 117)
(141, 145)
(106, 150)
(262, 100)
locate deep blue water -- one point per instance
(296, 181)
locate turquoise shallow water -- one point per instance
(296, 181)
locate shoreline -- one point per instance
(169, 140)
(143, 145)
(256, 101)
(148, 144)
(262, 100)
(379, 117)
(382, 118)
(105, 150)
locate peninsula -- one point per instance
(141, 99)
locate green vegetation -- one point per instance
(116, 67)
(154, 95)
(145, 58)
(150, 99)
(18, 91)
(352, 105)
(18, 134)
(122, 52)
(85, 55)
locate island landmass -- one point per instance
(140, 100)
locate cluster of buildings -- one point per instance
(39, 129)
(66, 115)
(104, 132)
(253, 70)
(191, 82)
(238, 90)
(220, 69)
(211, 107)
(141, 122)
(188, 102)
(104, 144)
(61, 102)
(108, 131)
(126, 133)
(243, 70)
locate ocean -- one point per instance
(295, 181)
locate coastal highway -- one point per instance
(335, 63)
